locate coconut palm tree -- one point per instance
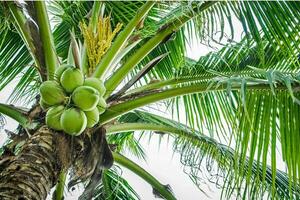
(235, 109)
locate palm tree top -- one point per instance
(235, 109)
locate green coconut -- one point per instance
(53, 116)
(95, 83)
(60, 70)
(92, 117)
(52, 93)
(73, 121)
(71, 78)
(101, 106)
(85, 98)
(44, 105)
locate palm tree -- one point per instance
(235, 109)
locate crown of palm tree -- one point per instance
(235, 109)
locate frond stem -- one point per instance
(135, 168)
(117, 128)
(164, 83)
(46, 38)
(20, 21)
(121, 108)
(15, 114)
(112, 83)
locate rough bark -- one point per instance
(34, 171)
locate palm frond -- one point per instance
(259, 29)
(15, 60)
(67, 16)
(238, 62)
(127, 143)
(2, 121)
(254, 129)
(231, 60)
(114, 186)
(27, 88)
(275, 20)
(250, 112)
(240, 175)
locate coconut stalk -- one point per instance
(59, 190)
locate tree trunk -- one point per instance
(35, 170)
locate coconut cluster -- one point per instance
(73, 103)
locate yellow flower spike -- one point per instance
(98, 42)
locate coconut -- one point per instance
(85, 98)
(92, 117)
(71, 78)
(44, 105)
(73, 121)
(96, 84)
(101, 105)
(60, 70)
(53, 116)
(52, 93)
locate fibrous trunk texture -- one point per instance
(34, 171)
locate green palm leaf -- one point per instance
(114, 186)
(196, 148)
(127, 143)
